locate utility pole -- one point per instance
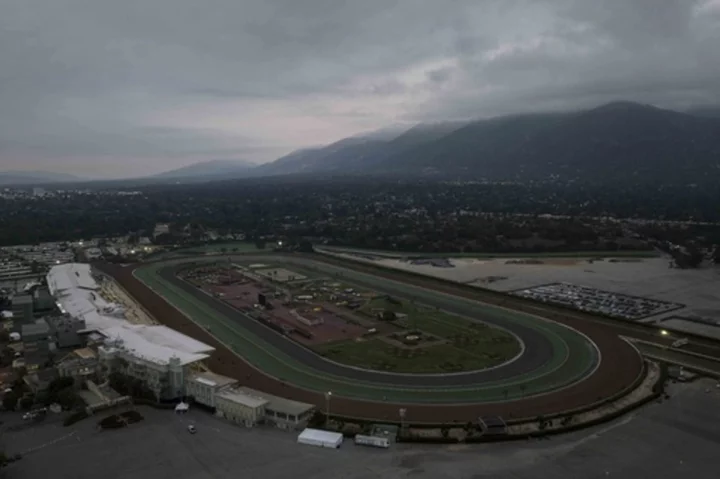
(328, 396)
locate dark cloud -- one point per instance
(129, 87)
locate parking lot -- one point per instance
(597, 301)
(677, 438)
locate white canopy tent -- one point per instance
(316, 437)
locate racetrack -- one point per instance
(538, 348)
(620, 366)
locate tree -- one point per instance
(388, 316)
(10, 401)
(26, 402)
(260, 244)
(305, 246)
(60, 383)
(68, 399)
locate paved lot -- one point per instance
(678, 438)
(649, 278)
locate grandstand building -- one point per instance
(160, 357)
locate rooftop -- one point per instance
(278, 404)
(84, 353)
(139, 341)
(39, 327)
(240, 397)
(75, 290)
(212, 379)
(70, 276)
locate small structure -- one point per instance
(239, 407)
(182, 407)
(203, 387)
(373, 441)
(319, 438)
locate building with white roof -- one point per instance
(203, 387)
(159, 356)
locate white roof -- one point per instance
(69, 276)
(318, 435)
(211, 379)
(242, 398)
(75, 290)
(134, 339)
(172, 339)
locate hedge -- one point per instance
(75, 417)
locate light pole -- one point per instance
(328, 396)
(402, 411)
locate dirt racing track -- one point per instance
(565, 365)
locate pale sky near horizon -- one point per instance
(105, 89)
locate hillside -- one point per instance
(620, 141)
(364, 154)
(209, 169)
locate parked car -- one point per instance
(191, 429)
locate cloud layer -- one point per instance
(115, 89)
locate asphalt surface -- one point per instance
(538, 348)
(677, 438)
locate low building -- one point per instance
(66, 330)
(281, 412)
(38, 344)
(81, 365)
(40, 380)
(240, 408)
(22, 307)
(203, 387)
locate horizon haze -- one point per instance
(119, 90)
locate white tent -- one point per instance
(182, 407)
(316, 437)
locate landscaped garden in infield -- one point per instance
(358, 327)
(420, 339)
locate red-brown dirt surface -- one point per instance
(620, 367)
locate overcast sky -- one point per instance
(124, 88)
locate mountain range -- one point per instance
(619, 141)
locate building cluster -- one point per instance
(67, 329)
(593, 300)
(23, 264)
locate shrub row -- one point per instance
(75, 417)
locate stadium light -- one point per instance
(664, 332)
(328, 396)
